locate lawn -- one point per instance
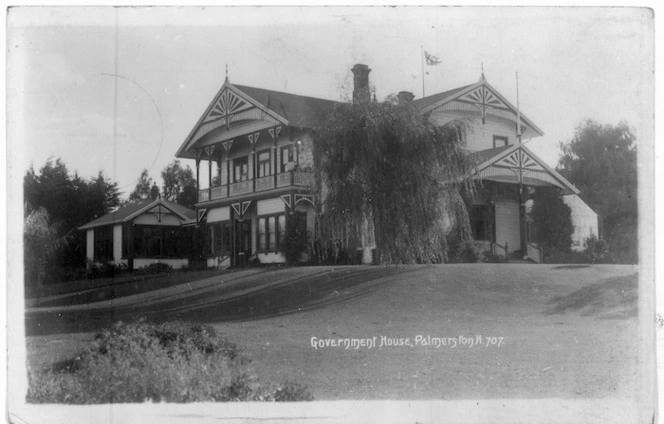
(545, 330)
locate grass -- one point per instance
(95, 290)
(567, 332)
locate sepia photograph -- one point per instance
(331, 214)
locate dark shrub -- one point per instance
(296, 239)
(461, 251)
(489, 257)
(596, 249)
(171, 362)
(552, 219)
(155, 268)
(105, 270)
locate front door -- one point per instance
(242, 241)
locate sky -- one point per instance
(118, 90)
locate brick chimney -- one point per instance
(361, 92)
(405, 96)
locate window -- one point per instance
(220, 238)
(241, 169)
(287, 158)
(161, 242)
(272, 233)
(499, 141)
(262, 235)
(271, 230)
(103, 243)
(264, 163)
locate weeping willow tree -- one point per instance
(384, 169)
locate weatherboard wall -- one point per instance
(479, 136)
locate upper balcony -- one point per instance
(270, 182)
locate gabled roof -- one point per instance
(275, 106)
(299, 111)
(429, 103)
(435, 98)
(482, 156)
(503, 157)
(132, 210)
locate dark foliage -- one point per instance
(69, 202)
(296, 239)
(461, 251)
(552, 218)
(601, 160)
(179, 184)
(385, 166)
(143, 187)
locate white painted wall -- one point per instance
(117, 243)
(507, 224)
(219, 214)
(584, 220)
(90, 245)
(270, 206)
(479, 136)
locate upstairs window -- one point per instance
(264, 163)
(241, 169)
(500, 141)
(288, 158)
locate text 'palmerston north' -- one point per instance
(420, 340)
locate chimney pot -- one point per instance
(405, 96)
(361, 92)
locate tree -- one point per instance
(68, 201)
(601, 161)
(103, 196)
(386, 165)
(179, 184)
(552, 218)
(142, 189)
(42, 241)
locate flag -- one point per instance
(431, 59)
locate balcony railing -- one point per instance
(265, 183)
(286, 179)
(241, 187)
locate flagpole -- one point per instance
(518, 111)
(422, 49)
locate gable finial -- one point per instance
(227, 72)
(482, 78)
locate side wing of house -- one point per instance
(140, 234)
(584, 219)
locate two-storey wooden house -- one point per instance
(257, 147)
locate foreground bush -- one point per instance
(170, 362)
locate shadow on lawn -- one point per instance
(291, 297)
(612, 298)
